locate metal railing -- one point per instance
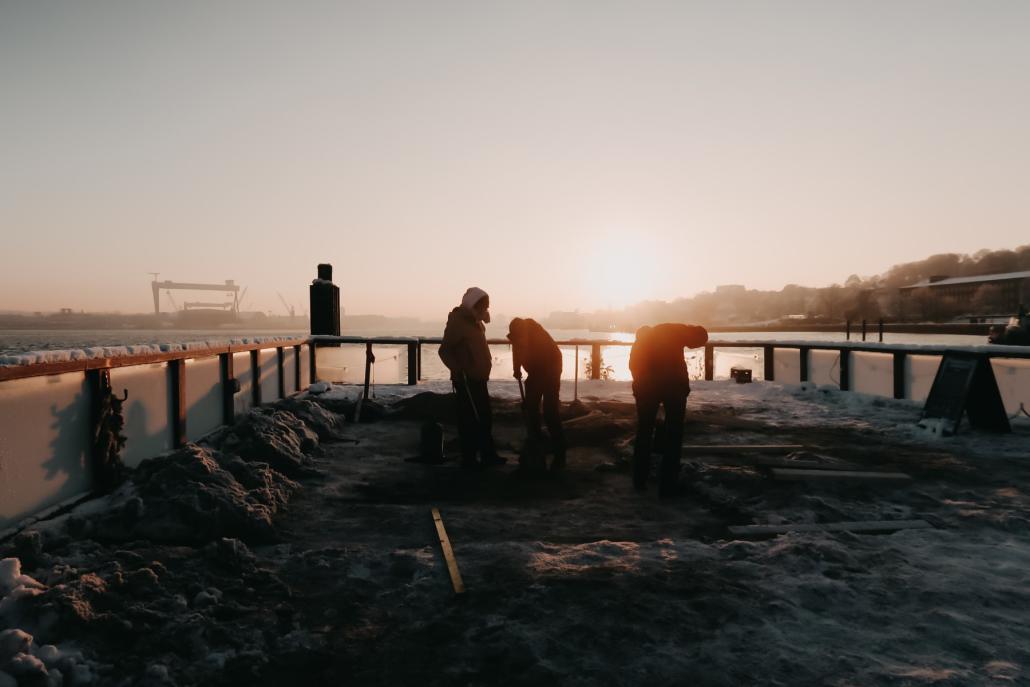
(844, 349)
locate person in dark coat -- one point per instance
(660, 377)
(466, 354)
(533, 348)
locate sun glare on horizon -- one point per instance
(619, 271)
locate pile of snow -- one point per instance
(21, 658)
(161, 568)
(71, 355)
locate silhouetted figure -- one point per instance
(466, 354)
(533, 348)
(660, 377)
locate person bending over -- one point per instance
(533, 348)
(660, 377)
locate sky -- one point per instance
(560, 155)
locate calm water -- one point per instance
(347, 363)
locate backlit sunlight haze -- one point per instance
(562, 156)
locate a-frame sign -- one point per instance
(966, 383)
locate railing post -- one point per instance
(255, 375)
(899, 374)
(881, 330)
(313, 362)
(863, 330)
(369, 359)
(845, 369)
(769, 356)
(177, 377)
(709, 362)
(595, 361)
(847, 330)
(803, 357)
(98, 382)
(280, 358)
(420, 359)
(296, 371)
(229, 388)
(412, 363)
(575, 380)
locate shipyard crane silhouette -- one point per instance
(229, 286)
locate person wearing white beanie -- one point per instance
(466, 354)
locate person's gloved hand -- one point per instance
(517, 374)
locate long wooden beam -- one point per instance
(861, 527)
(448, 553)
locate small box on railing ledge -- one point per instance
(742, 375)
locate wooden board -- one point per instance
(448, 554)
(741, 448)
(869, 526)
(801, 474)
(774, 462)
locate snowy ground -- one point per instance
(212, 568)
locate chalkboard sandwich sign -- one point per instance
(965, 383)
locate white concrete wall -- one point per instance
(147, 411)
(244, 398)
(1014, 384)
(45, 440)
(824, 367)
(203, 397)
(872, 373)
(290, 369)
(787, 365)
(268, 360)
(919, 373)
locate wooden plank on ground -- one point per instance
(448, 554)
(802, 474)
(740, 448)
(866, 527)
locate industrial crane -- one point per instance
(289, 308)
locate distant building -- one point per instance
(1014, 287)
(730, 288)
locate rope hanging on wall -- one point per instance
(108, 440)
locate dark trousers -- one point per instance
(545, 388)
(475, 419)
(675, 403)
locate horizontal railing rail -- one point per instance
(128, 360)
(843, 348)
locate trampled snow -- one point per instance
(574, 579)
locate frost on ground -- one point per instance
(296, 549)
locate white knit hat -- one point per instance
(473, 296)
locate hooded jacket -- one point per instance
(656, 359)
(464, 350)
